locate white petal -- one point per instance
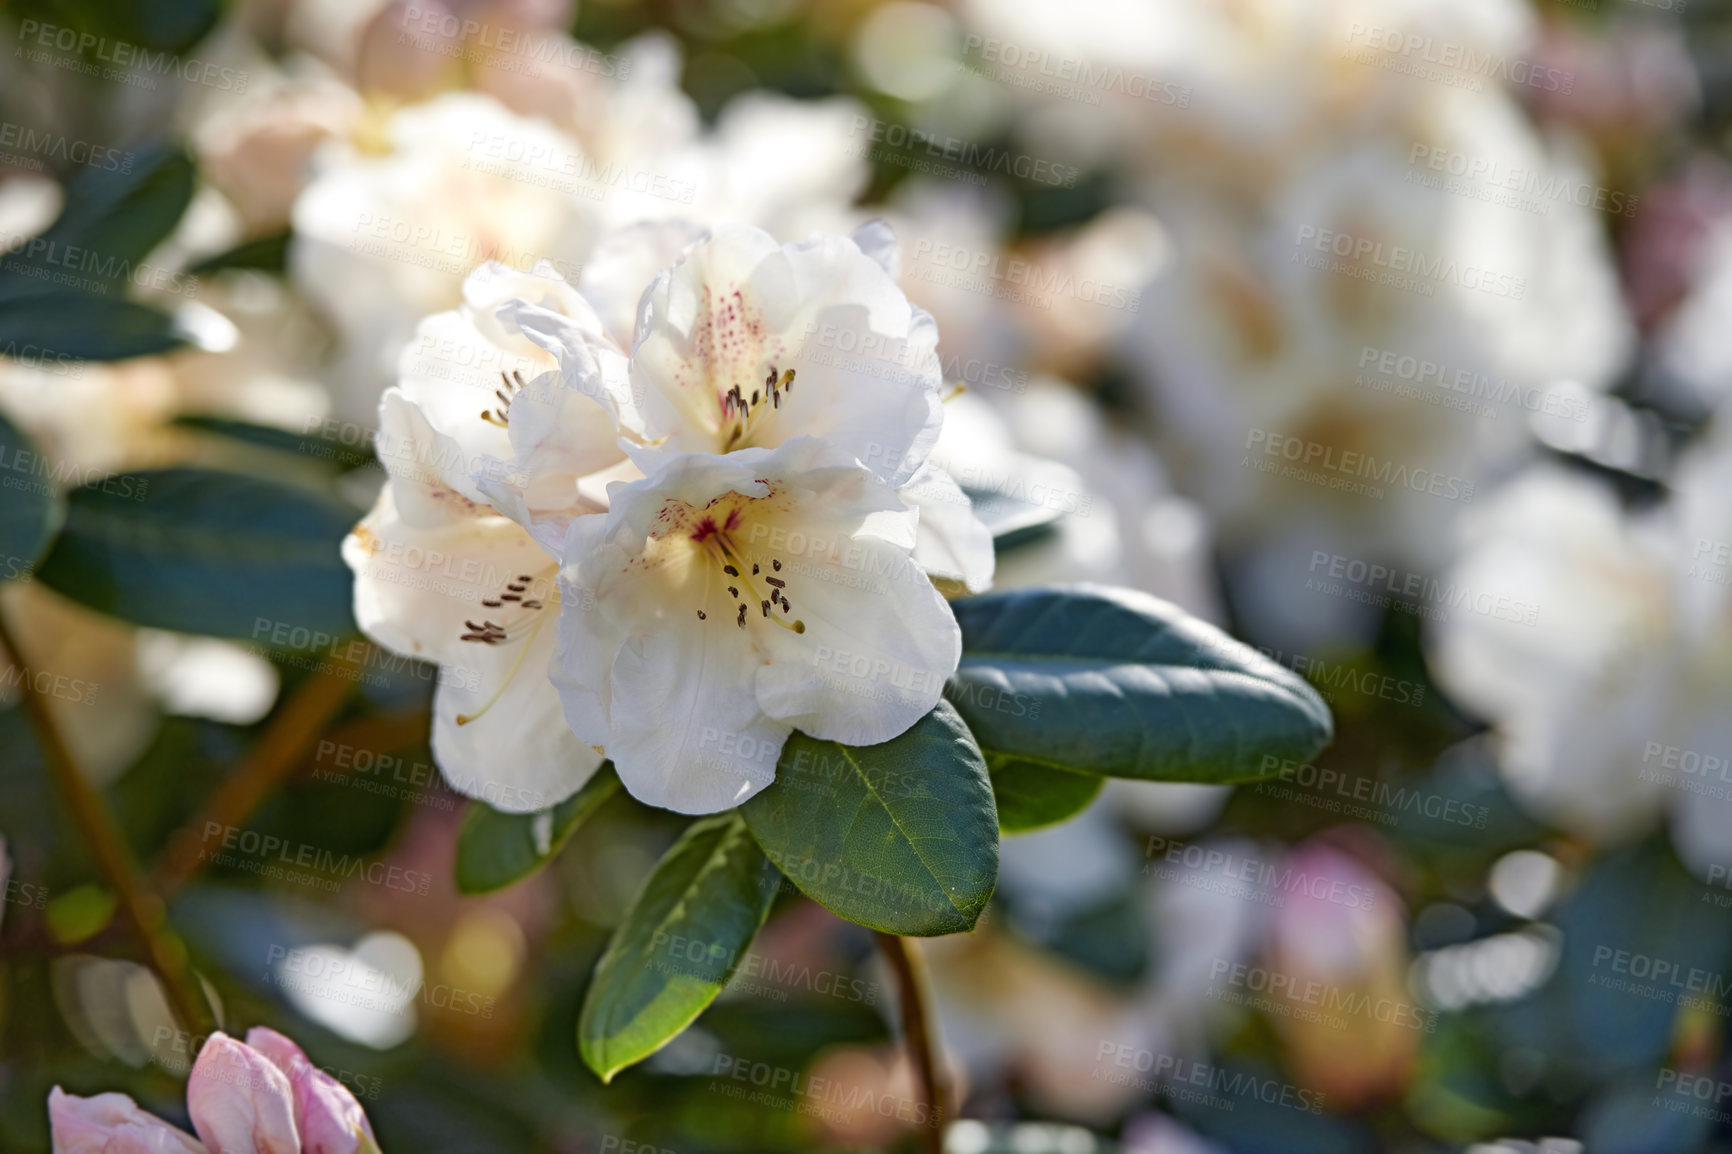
(625, 264)
(687, 733)
(952, 542)
(867, 373)
(515, 751)
(588, 359)
(878, 241)
(431, 472)
(879, 640)
(416, 585)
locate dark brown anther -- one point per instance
(701, 616)
(776, 565)
(730, 571)
(777, 582)
(735, 593)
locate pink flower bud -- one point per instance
(327, 1115)
(240, 1102)
(111, 1124)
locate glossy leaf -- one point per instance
(32, 507)
(1114, 682)
(1031, 796)
(495, 850)
(680, 942)
(901, 836)
(202, 551)
(54, 330)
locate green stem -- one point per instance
(139, 904)
(913, 998)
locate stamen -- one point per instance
(776, 581)
(766, 607)
(730, 571)
(701, 616)
(734, 592)
(754, 569)
(742, 618)
(775, 564)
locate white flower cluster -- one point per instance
(647, 517)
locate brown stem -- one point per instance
(285, 743)
(911, 995)
(142, 907)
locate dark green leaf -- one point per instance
(266, 254)
(311, 445)
(1031, 795)
(54, 329)
(496, 849)
(681, 940)
(201, 551)
(901, 837)
(32, 507)
(1115, 682)
(113, 219)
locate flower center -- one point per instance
(739, 410)
(501, 416)
(754, 579)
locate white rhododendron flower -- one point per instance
(730, 599)
(444, 574)
(520, 416)
(744, 343)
